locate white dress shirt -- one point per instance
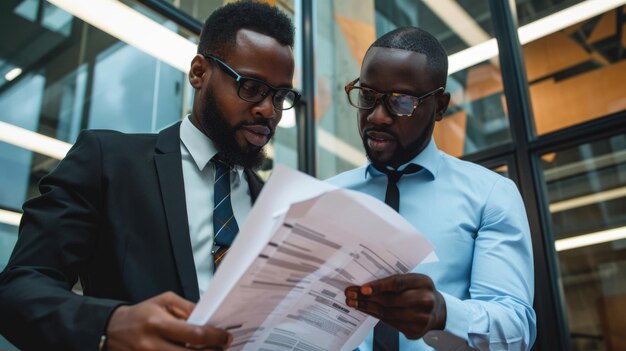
(199, 175)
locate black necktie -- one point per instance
(386, 337)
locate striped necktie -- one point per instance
(386, 337)
(224, 224)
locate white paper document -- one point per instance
(281, 285)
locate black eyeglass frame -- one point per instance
(378, 96)
(239, 79)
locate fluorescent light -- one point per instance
(130, 26)
(30, 140)
(565, 18)
(584, 166)
(533, 31)
(588, 199)
(472, 56)
(12, 74)
(590, 239)
(455, 17)
(340, 148)
(10, 217)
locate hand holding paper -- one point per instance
(282, 284)
(407, 302)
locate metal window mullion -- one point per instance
(552, 326)
(306, 111)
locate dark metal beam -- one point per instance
(306, 112)
(551, 325)
(174, 14)
(567, 138)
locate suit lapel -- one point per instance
(169, 169)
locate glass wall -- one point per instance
(586, 192)
(61, 75)
(477, 118)
(575, 64)
(576, 70)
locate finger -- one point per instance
(185, 333)
(412, 324)
(152, 344)
(402, 314)
(175, 304)
(397, 283)
(415, 299)
(352, 292)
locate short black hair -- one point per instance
(219, 32)
(418, 40)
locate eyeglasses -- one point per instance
(256, 90)
(401, 105)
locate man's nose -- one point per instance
(265, 108)
(379, 114)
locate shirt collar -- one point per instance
(201, 148)
(428, 159)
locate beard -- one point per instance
(399, 154)
(223, 136)
(402, 154)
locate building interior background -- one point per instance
(107, 64)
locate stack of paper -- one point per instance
(281, 286)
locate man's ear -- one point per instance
(199, 71)
(442, 105)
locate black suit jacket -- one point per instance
(113, 214)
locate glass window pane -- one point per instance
(586, 189)
(477, 117)
(61, 74)
(502, 170)
(575, 60)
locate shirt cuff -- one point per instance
(457, 316)
(455, 334)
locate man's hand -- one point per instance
(407, 302)
(159, 324)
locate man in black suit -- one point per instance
(132, 216)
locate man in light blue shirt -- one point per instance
(479, 294)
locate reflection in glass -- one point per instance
(575, 74)
(586, 189)
(502, 170)
(59, 75)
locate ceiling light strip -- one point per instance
(590, 239)
(10, 217)
(533, 31)
(32, 141)
(134, 28)
(590, 199)
(587, 165)
(565, 18)
(340, 148)
(455, 17)
(472, 56)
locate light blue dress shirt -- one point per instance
(477, 223)
(197, 150)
